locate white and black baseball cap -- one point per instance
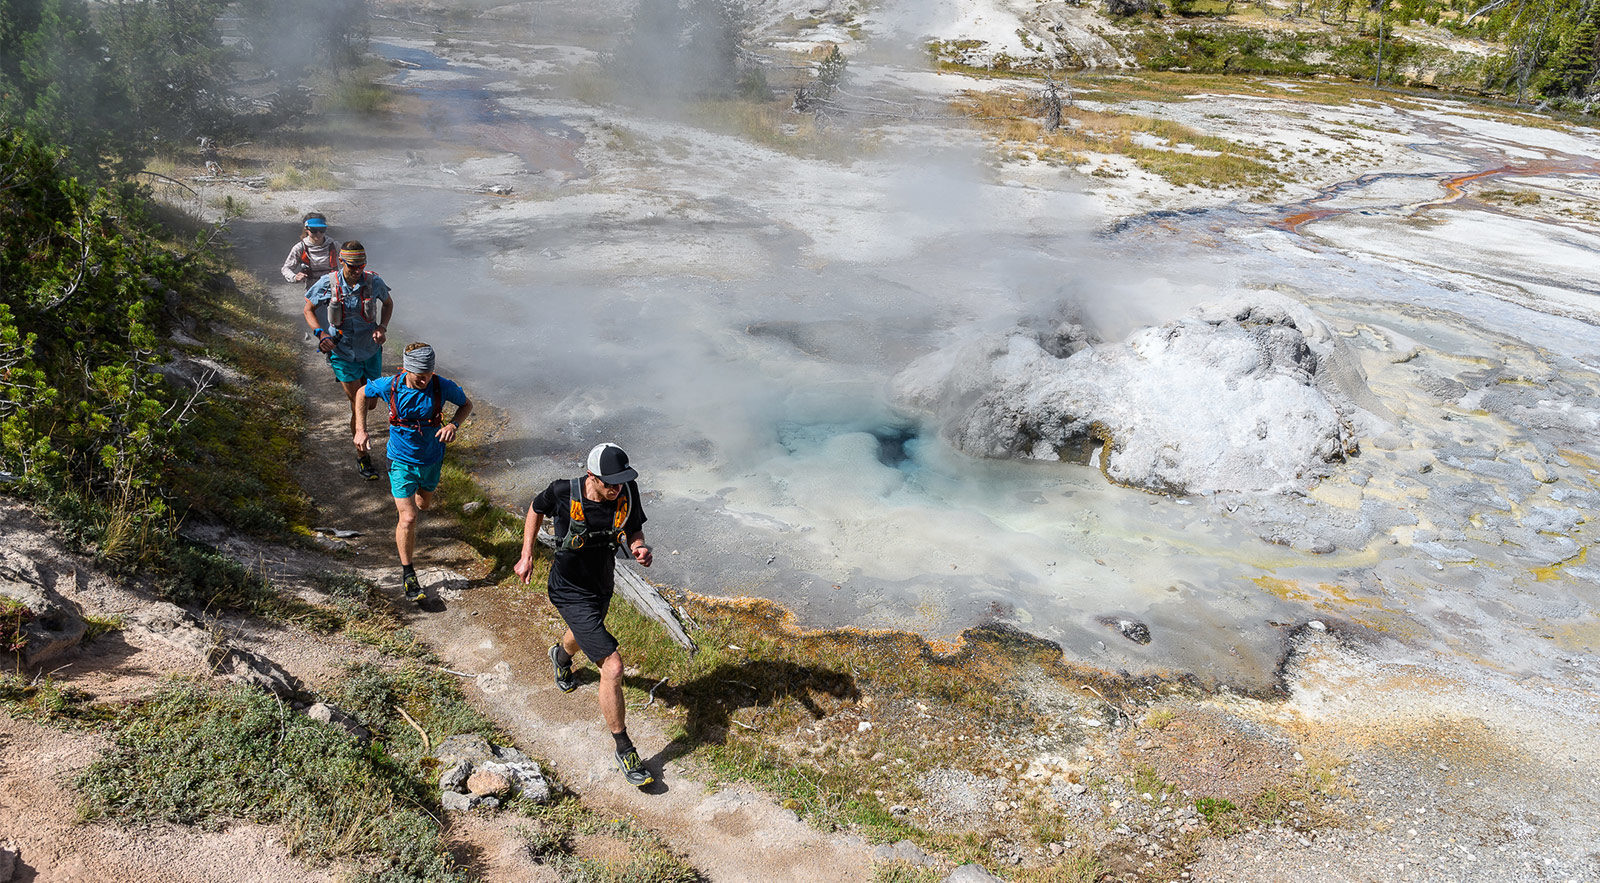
(609, 463)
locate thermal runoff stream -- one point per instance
(741, 318)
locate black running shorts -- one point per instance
(587, 619)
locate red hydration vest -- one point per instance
(333, 255)
(434, 413)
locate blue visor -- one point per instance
(316, 222)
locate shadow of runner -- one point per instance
(711, 700)
(439, 585)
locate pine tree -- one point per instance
(55, 80)
(1571, 69)
(172, 59)
(830, 73)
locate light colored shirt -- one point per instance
(318, 260)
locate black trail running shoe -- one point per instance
(413, 587)
(632, 769)
(364, 466)
(565, 682)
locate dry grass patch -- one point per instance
(842, 725)
(1081, 865)
(304, 176)
(1515, 197)
(772, 124)
(1182, 155)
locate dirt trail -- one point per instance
(500, 636)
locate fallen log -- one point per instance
(252, 182)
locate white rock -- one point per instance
(1251, 393)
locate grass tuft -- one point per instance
(904, 872)
(100, 625)
(1158, 718)
(375, 695)
(361, 96)
(1081, 865)
(46, 701)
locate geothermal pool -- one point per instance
(734, 316)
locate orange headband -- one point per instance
(354, 256)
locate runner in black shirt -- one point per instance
(593, 516)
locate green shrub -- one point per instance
(1213, 807)
(196, 756)
(204, 577)
(82, 411)
(1218, 50)
(94, 431)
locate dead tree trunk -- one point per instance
(1050, 104)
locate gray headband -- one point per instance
(419, 360)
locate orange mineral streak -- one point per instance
(1455, 188)
(1326, 596)
(1293, 222)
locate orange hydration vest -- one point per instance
(579, 531)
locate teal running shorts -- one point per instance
(345, 370)
(405, 479)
